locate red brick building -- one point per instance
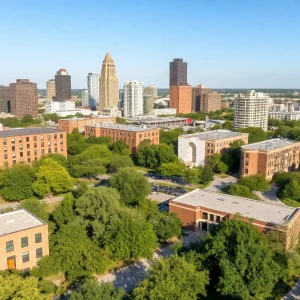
(23, 98)
(199, 209)
(131, 135)
(181, 98)
(69, 125)
(203, 99)
(29, 144)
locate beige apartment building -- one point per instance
(131, 135)
(23, 240)
(194, 149)
(69, 125)
(270, 157)
(29, 144)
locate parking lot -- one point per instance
(170, 190)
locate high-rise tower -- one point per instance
(178, 72)
(93, 84)
(109, 90)
(50, 90)
(62, 85)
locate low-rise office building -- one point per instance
(199, 209)
(29, 144)
(285, 115)
(131, 135)
(69, 125)
(270, 157)
(23, 240)
(196, 148)
(163, 122)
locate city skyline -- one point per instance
(242, 49)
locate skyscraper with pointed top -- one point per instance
(109, 89)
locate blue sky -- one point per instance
(226, 43)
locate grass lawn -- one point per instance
(143, 169)
(289, 202)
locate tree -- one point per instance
(172, 169)
(98, 140)
(59, 158)
(27, 119)
(256, 134)
(216, 164)
(166, 225)
(240, 259)
(120, 120)
(64, 213)
(52, 178)
(119, 162)
(255, 183)
(16, 182)
(132, 185)
(292, 191)
(239, 190)
(170, 136)
(15, 287)
(130, 237)
(120, 147)
(191, 175)
(91, 289)
(206, 175)
(172, 278)
(232, 156)
(76, 255)
(80, 188)
(37, 207)
(76, 142)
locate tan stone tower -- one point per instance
(109, 89)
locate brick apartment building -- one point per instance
(199, 209)
(30, 144)
(4, 98)
(131, 135)
(62, 85)
(203, 99)
(23, 240)
(181, 98)
(23, 98)
(69, 125)
(270, 157)
(196, 148)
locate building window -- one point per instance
(25, 257)
(5, 156)
(12, 141)
(49, 136)
(218, 219)
(211, 217)
(246, 171)
(5, 149)
(28, 146)
(34, 138)
(21, 154)
(35, 145)
(55, 149)
(21, 147)
(28, 160)
(49, 143)
(4, 142)
(24, 241)
(28, 153)
(39, 252)
(247, 155)
(42, 151)
(13, 148)
(42, 144)
(9, 246)
(61, 135)
(42, 137)
(38, 237)
(204, 216)
(35, 152)
(55, 136)
(27, 139)
(20, 140)
(61, 142)
(14, 162)
(246, 163)
(49, 150)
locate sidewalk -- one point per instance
(294, 293)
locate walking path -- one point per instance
(130, 276)
(294, 293)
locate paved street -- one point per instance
(219, 183)
(130, 276)
(294, 293)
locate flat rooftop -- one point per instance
(27, 131)
(121, 127)
(17, 221)
(93, 117)
(252, 209)
(270, 144)
(213, 135)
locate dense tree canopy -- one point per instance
(241, 261)
(91, 289)
(59, 158)
(206, 175)
(15, 287)
(120, 147)
(240, 190)
(217, 165)
(16, 182)
(119, 162)
(255, 183)
(172, 278)
(132, 185)
(256, 134)
(52, 178)
(172, 169)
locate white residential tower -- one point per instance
(133, 99)
(93, 83)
